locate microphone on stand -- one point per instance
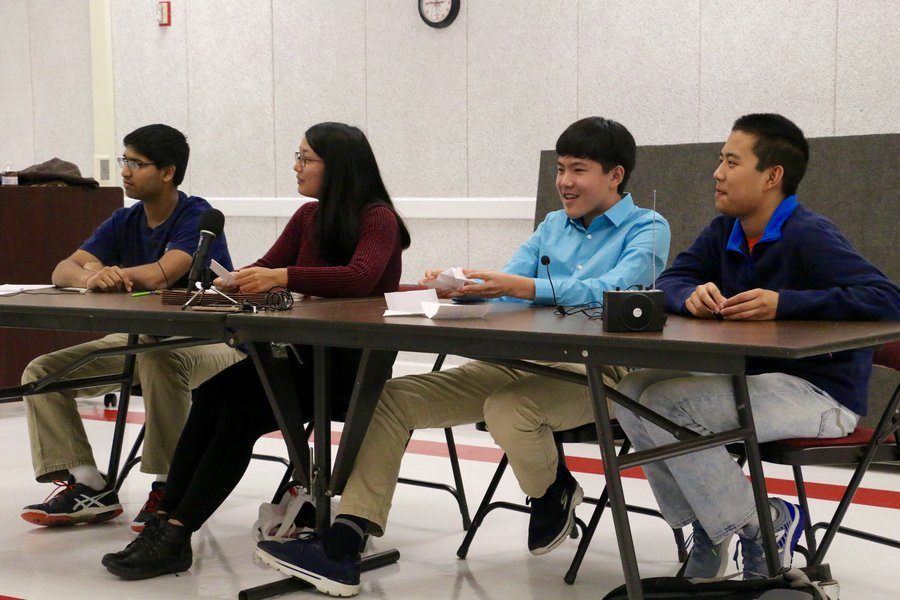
(210, 225)
(545, 260)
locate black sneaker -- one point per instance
(72, 503)
(306, 559)
(553, 514)
(157, 489)
(150, 526)
(165, 549)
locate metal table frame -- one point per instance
(360, 326)
(104, 313)
(510, 333)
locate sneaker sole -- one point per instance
(138, 575)
(791, 538)
(63, 520)
(322, 584)
(577, 497)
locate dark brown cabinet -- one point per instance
(39, 226)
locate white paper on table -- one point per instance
(451, 279)
(408, 303)
(226, 275)
(439, 310)
(15, 288)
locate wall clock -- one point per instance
(438, 13)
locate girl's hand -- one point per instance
(260, 279)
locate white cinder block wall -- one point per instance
(454, 114)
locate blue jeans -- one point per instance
(709, 486)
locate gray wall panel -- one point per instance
(61, 82)
(861, 201)
(16, 102)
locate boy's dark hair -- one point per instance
(351, 183)
(602, 140)
(778, 142)
(164, 145)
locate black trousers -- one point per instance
(229, 413)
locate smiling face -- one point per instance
(585, 190)
(310, 170)
(148, 181)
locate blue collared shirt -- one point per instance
(615, 251)
(771, 233)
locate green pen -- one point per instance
(136, 294)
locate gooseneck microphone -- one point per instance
(545, 260)
(210, 225)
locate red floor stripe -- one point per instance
(818, 491)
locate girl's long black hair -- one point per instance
(351, 182)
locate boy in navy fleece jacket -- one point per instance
(766, 257)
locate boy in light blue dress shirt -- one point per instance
(599, 241)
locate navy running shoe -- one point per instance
(305, 559)
(72, 503)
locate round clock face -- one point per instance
(438, 13)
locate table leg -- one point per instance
(614, 484)
(374, 370)
(276, 379)
(321, 471)
(757, 477)
(112, 472)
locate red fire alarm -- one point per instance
(164, 13)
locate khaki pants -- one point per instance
(58, 439)
(521, 411)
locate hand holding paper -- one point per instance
(449, 280)
(226, 275)
(494, 284)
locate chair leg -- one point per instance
(283, 484)
(457, 479)
(588, 532)
(132, 459)
(483, 509)
(680, 545)
(588, 535)
(804, 504)
(842, 507)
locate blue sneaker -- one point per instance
(706, 559)
(788, 522)
(305, 559)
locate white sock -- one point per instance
(162, 477)
(89, 476)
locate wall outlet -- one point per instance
(103, 170)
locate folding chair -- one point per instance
(861, 448)
(458, 492)
(583, 434)
(134, 458)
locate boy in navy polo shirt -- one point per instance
(146, 246)
(766, 257)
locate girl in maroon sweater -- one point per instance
(346, 244)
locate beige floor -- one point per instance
(65, 563)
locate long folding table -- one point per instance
(512, 333)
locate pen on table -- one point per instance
(137, 294)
